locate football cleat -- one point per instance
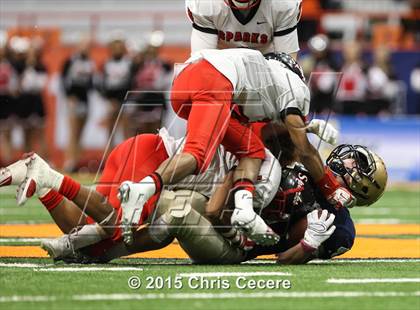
(39, 175)
(15, 173)
(254, 227)
(132, 201)
(58, 248)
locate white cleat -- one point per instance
(132, 203)
(39, 175)
(58, 248)
(254, 227)
(15, 173)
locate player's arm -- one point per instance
(319, 228)
(219, 198)
(294, 256)
(312, 161)
(202, 40)
(285, 37)
(204, 34)
(288, 43)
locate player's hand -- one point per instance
(342, 198)
(319, 229)
(132, 203)
(324, 130)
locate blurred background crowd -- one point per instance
(67, 69)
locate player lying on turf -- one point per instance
(131, 160)
(219, 92)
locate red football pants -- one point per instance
(132, 160)
(203, 96)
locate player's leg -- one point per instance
(202, 95)
(65, 214)
(194, 232)
(41, 175)
(131, 160)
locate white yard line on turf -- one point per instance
(22, 265)
(234, 274)
(189, 296)
(27, 298)
(41, 267)
(29, 240)
(380, 221)
(373, 280)
(247, 295)
(377, 211)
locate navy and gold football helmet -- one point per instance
(363, 171)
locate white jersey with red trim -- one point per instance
(263, 89)
(269, 26)
(206, 183)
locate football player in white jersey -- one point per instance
(266, 25)
(219, 92)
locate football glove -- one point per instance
(319, 229)
(325, 131)
(342, 198)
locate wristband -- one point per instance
(306, 247)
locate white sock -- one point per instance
(149, 186)
(42, 192)
(243, 200)
(56, 179)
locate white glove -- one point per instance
(132, 197)
(318, 230)
(324, 130)
(342, 198)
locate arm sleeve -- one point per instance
(285, 32)
(288, 43)
(202, 40)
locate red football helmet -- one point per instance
(242, 4)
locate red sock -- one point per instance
(69, 188)
(51, 200)
(244, 184)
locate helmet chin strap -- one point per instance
(240, 5)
